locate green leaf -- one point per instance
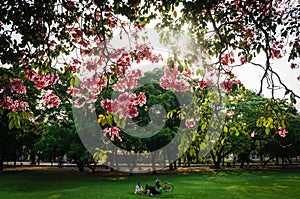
(267, 131)
(292, 98)
(283, 124)
(222, 141)
(225, 129)
(203, 127)
(11, 124)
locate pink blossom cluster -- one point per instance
(87, 91)
(51, 100)
(230, 113)
(144, 52)
(73, 65)
(124, 59)
(15, 105)
(243, 59)
(41, 81)
(189, 73)
(112, 132)
(171, 80)
(69, 5)
(52, 45)
(282, 132)
(128, 81)
(190, 123)
(276, 49)
(227, 85)
(77, 35)
(205, 83)
(17, 86)
(227, 58)
(125, 104)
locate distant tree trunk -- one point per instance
(289, 160)
(216, 160)
(60, 162)
(92, 166)
(266, 162)
(260, 154)
(179, 162)
(189, 159)
(174, 165)
(282, 157)
(153, 156)
(277, 160)
(171, 167)
(218, 156)
(80, 165)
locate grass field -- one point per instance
(45, 184)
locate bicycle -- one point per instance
(167, 187)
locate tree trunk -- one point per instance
(153, 162)
(282, 157)
(242, 164)
(93, 166)
(80, 165)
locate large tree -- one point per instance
(50, 45)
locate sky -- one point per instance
(251, 75)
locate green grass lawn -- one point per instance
(219, 184)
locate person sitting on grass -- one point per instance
(138, 188)
(154, 190)
(158, 187)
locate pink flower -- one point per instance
(171, 80)
(68, 5)
(226, 85)
(15, 105)
(129, 80)
(227, 59)
(230, 113)
(188, 73)
(51, 100)
(141, 100)
(190, 123)
(17, 86)
(41, 81)
(125, 104)
(243, 59)
(282, 132)
(202, 84)
(22, 105)
(294, 66)
(252, 134)
(112, 132)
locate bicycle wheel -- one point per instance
(169, 187)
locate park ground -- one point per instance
(68, 183)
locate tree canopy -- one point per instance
(59, 53)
